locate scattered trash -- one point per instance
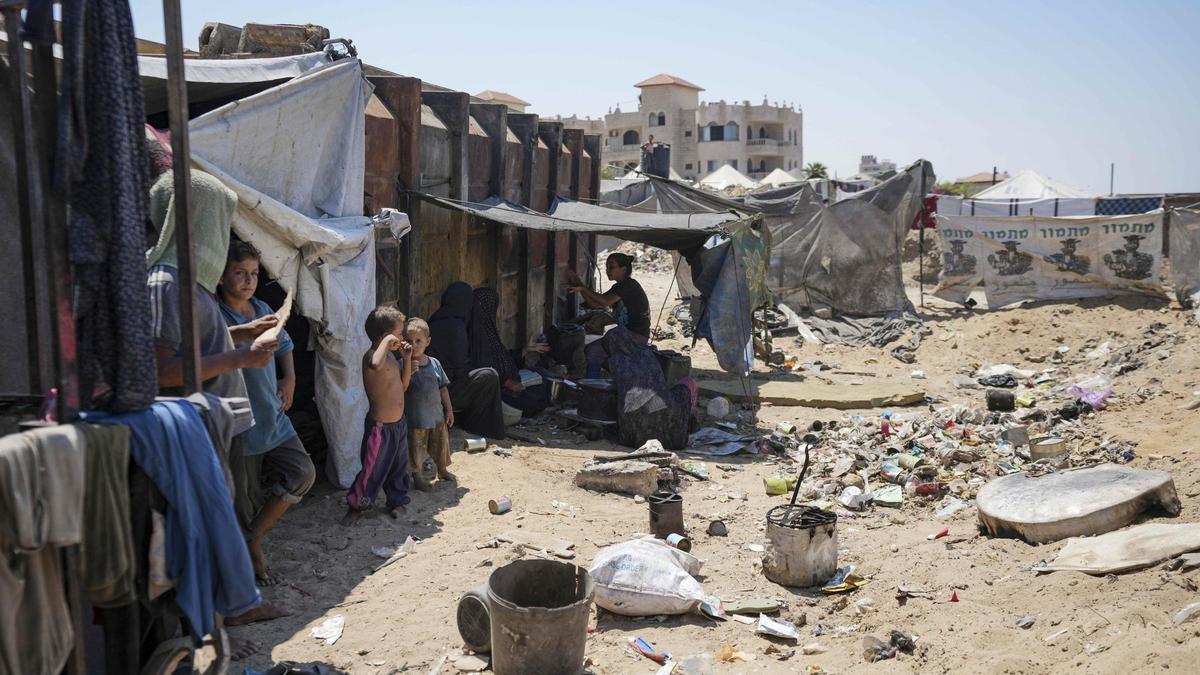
(1129, 549)
(1001, 381)
(944, 532)
(543, 544)
(500, 505)
(844, 580)
(469, 663)
(729, 654)
(645, 577)
(776, 628)
(753, 606)
(917, 374)
(719, 408)
(949, 507)
(1187, 614)
(742, 618)
(330, 630)
(905, 592)
(854, 498)
(1078, 502)
(1026, 622)
(757, 548)
(476, 444)
(864, 606)
(680, 542)
(999, 400)
(889, 495)
(717, 528)
(644, 648)
(875, 649)
(813, 648)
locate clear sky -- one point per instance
(1063, 88)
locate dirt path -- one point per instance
(404, 616)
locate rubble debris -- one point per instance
(631, 477)
(1129, 549)
(1077, 502)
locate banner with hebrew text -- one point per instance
(1036, 258)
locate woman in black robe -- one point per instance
(487, 350)
(474, 392)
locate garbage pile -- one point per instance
(1033, 422)
(645, 258)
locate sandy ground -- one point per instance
(403, 617)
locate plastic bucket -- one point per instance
(539, 616)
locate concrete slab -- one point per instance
(818, 394)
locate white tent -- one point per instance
(295, 155)
(798, 173)
(1026, 194)
(779, 177)
(1031, 185)
(727, 176)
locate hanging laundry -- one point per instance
(108, 553)
(41, 508)
(101, 170)
(206, 550)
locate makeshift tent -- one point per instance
(1025, 194)
(846, 255)
(779, 177)
(727, 252)
(295, 154)
(727, 176)
(1185, 257)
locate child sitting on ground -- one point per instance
(429, 414)
(385, 436)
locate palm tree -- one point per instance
(816, 170)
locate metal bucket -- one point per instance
(801, 546)
(674, 365)
(475, 619)
(539, 616)
(666, 514)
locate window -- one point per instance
(630, 137)
(762, 165)
(762, 132)
(716, 132)
(704, 137)
(712, 165)
(687, 134)
(662, 119)
(733, 163)
(731, 131)
(653, 119)
(687, 167)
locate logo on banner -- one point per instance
(1010, 262)
(956, 263)
(1128, 262)
(1067, 260)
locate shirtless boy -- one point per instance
(385, 436)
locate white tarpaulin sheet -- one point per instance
(1050, 258)
(295, 156)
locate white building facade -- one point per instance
(754, 139)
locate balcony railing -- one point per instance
(765, 141)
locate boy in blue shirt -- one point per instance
(273, 453)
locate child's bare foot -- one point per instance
(397, 511)
(351, 518)
(446, 475)
(262, 572)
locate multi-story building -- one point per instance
(869, 165)
(754, 139)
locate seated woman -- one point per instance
(488, 351)
(474, 392)
(646, 408)
(628, 301)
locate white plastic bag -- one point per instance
(645, 577)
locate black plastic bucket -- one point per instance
(539, 616)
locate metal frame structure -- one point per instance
(47, 272)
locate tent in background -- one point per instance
(779, 177)
(294, 152)
(727, 176)
(1025, 194)
(1031, 185)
